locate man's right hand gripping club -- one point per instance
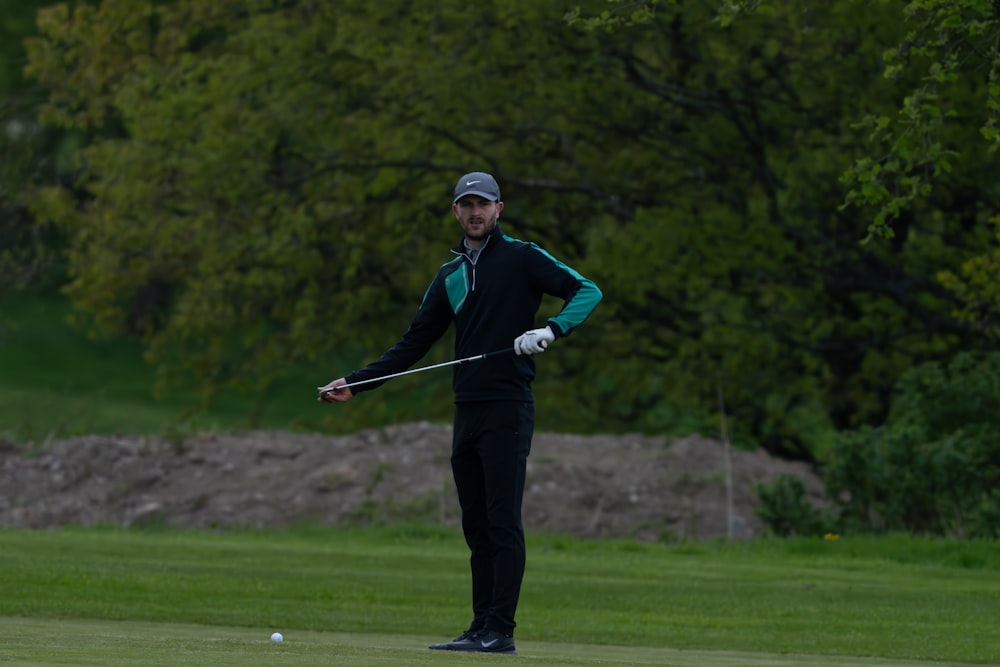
(534, 341)
(337, 395)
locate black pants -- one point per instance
(488, 460)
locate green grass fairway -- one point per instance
(356, 596)
(48, 643)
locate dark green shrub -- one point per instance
(787, 512)
(934, 466)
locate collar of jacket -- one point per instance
(460, 248)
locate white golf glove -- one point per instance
(534, 341)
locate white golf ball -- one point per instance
(276, 637)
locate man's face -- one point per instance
(477, 216)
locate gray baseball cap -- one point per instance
(477, 183)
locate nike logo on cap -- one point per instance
(472, 182)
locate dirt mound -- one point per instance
(647, 488)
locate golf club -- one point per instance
(453, 362)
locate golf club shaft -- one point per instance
(453, 362)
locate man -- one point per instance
(491, 291)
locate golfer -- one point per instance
(491, 291)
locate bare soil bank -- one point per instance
(647, 488)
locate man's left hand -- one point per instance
(534, 341)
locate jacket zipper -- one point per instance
(479, 254)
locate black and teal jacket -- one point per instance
(491, 301)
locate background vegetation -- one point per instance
(790, 207)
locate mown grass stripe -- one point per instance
(852, 598)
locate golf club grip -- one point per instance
(494, 353)
(454, 362)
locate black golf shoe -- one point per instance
(489, 641)
(469, 637)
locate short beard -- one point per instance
(488, 228)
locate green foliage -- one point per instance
(785, 509)
(939, 103)
(28, 152)
(934, 467)
(631, 13)
(623, 14)
(937, 108)
(977, 284)
(751, 277)
(220, 231)
(269, 182)
(942, 97)
(732, 10)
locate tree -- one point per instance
(29, 154)
(269, 179)
(950, 51)
(943, 78)
(268, 182)
(759, 285)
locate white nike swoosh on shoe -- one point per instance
(489, 643)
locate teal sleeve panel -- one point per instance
(580, 294)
